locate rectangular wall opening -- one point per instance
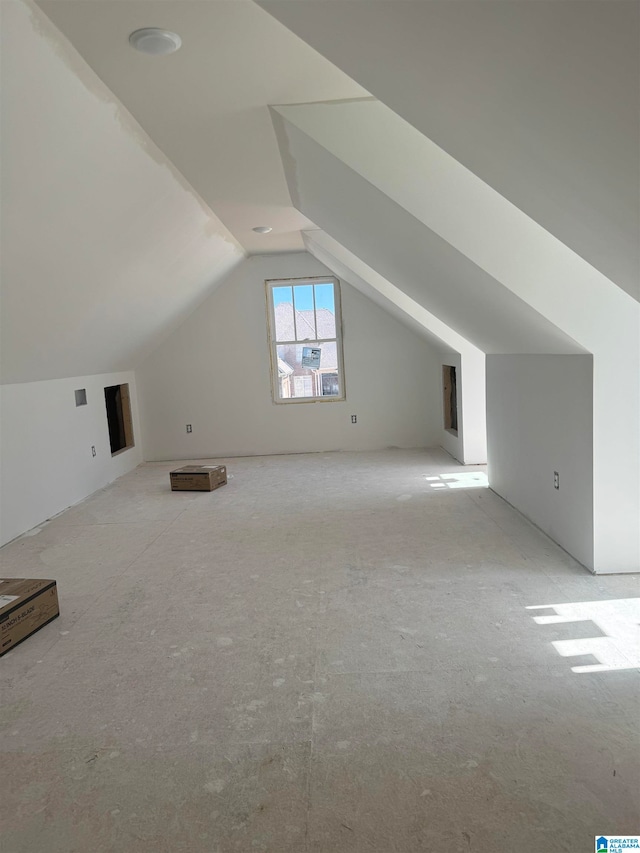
(450, 398)
(119, 418)
(81, 397)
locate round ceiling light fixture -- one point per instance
(155, 41)
(262, 229)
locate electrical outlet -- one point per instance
(189, 428)
(556, 480)
(93, 450)
(354, 419)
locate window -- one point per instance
(305, 340)
(119, 418)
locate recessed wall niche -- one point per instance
(450, 398)
(118, 406)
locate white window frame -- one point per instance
(273, 343)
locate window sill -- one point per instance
(294, 402)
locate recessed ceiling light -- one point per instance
(262, 229)
(155, 41)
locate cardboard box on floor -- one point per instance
(25, 607)
(198, 478)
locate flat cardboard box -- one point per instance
(25, 607)
(198, 478)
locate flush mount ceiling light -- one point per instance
(262, 229)
(155, 41)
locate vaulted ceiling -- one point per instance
(206, 105)
(538, 99)
(139, 179)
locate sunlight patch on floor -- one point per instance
(617, 619)
(460, 480)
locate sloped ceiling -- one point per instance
(471, 217)
(414, 258)
(539, 99)
(206, 105)
(109, 235)
(385, 294)
(105, 247)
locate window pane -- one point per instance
(303, 386)
(296, 381)
(305, 319)
(303, 312)
(283, 313)
(325, 311)
(330, 385)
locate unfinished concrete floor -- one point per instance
(331, 654)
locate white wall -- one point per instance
(213, 372)
(45, 448)
(539, 420)
(469, 446)
(473, 408)
(519, 290)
